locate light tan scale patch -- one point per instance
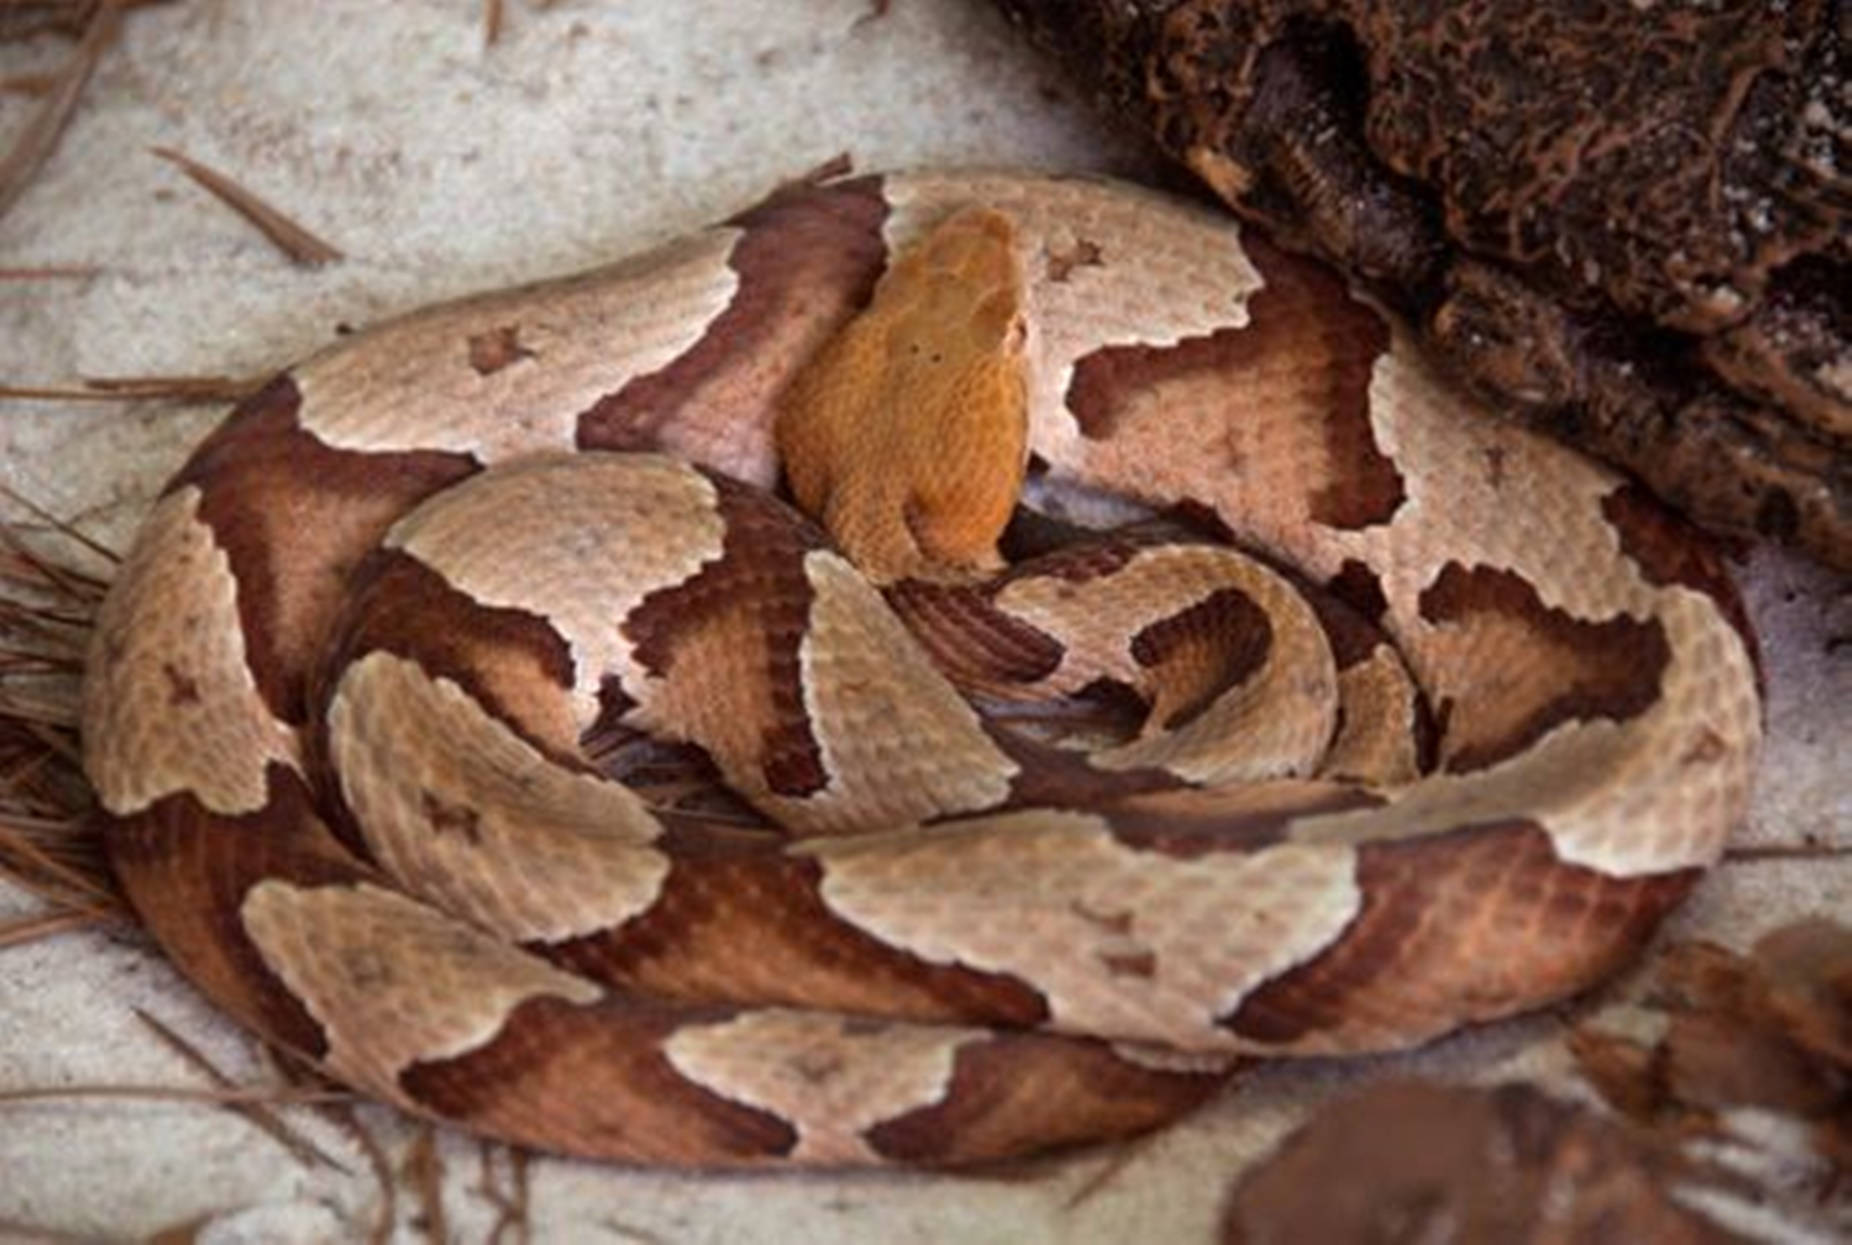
(1104, 264)
(169, 704)
(831, 1077)
(898, 742)
(1275, 724)
(467, 815)
(597, 533)
(1375, 742)
(418, 382)
(391, 981)
(1126, 944)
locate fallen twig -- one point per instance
(292, 239)
(305, 1151)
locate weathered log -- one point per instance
(1624, 221)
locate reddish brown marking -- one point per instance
(1225, 632)
(1669, 551)
(609, 730)
(1025, 1091)
(512, 663)
(757, 594)
(1352, 636)
(739, 920)
(1361, 588)
(971, 642)
(1079, 563)
(1350, 608)
(984, 649)
(1611, 669)
(1083, 254)
(594, 1080)
(294, 518)
(497, 348)
(182, 688)
(1459, 927)
(809, 258)
(1301, 319)
(186, 872)
(1188, 823)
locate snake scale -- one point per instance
(923, 858)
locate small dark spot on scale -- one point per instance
(816, 1067)
(1085, 253)
(1130, 963)
(1112, 922)
(182, 688)
(446, 817)
(365, 968)
(496, 348)
(1495, 466)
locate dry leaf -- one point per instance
(1408, 1162)
(1771, 1030)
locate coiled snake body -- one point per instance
(356, 701)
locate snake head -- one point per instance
(906, 435)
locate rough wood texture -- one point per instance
(1625, 221)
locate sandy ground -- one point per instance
(437, 166)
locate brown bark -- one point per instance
(1624, 221)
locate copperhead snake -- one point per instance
(356, 702)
